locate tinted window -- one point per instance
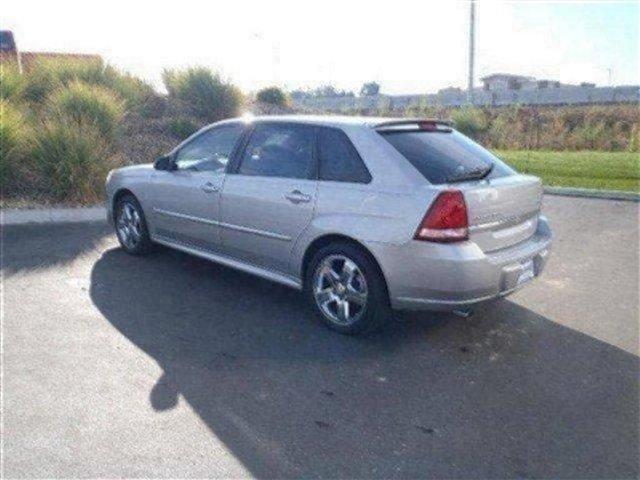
(339, 160)
(210, 151)
(279, 151)
(444, 156)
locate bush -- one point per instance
(135, 92)
(470, 121)
(49, 74)
(38, 85)
(634, 142)
(14, 143)
(206, 94)
(72, 161)
(181, 128)
(82, 103)
(515, 127)
(11, 82)
(504, 131)
(273, 96)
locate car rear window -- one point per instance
(445, 156)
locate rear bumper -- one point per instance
(431, 276)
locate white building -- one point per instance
(507, 81)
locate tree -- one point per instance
(370, 88)
(273, 96)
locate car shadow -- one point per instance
(507, 393)
(31, 250)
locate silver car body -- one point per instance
(267, 226)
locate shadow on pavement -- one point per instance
(507, 393)
(34, 247)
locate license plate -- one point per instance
(527, 272)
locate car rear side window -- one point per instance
(279, 150)
(445, 156)
(339, 160)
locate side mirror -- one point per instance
(163, 163)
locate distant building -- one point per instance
(499, 90)
(540, 84)
(9, 53)
(450, 91)
(507, 81)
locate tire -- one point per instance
(131, 226)
(368, 309)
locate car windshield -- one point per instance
(445, 156)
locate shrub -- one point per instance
(182, 128)
(133, 90)
(72, 160)
(470, 121)
(67, 70)
(38, 84)
(273, 96)
(11, 82)
(48, 74)
(14, 142)
(634, 142)
(206, 94)
(503, 131)
(516, 127)
(82, 103)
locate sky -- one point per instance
(406, 46)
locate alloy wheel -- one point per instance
(340, 289)
(129, 225)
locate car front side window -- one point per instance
(209, 151)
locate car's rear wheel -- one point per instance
(346, 289)
(131, 226)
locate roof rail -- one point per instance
(411, 121)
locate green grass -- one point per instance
(584, 169)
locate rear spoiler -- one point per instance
(419, 122)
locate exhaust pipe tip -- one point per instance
(463, 312)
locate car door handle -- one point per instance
(297, 197)
(210, 187)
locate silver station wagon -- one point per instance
(363, 215)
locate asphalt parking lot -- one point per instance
(169, 366)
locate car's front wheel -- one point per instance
(131, 226)
(347, 290)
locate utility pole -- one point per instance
(472, 41)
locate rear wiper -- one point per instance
(475, 174)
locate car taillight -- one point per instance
(446, 220)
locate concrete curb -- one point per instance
(590, 193)
(22, 216)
